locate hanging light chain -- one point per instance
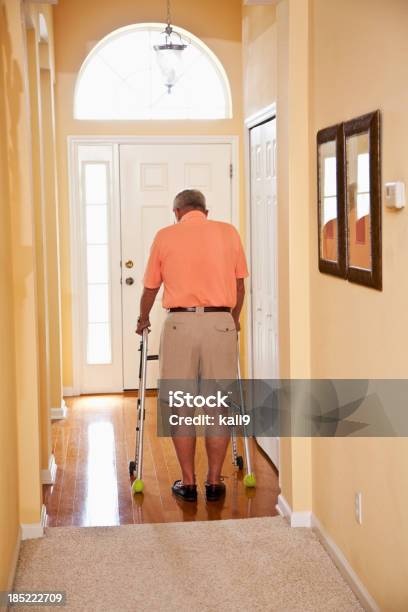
(173, 46)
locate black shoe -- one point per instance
(214, 492)
(186, 492)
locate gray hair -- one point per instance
(190, 198)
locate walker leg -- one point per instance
(237, 460)
(138, 484)
(233, 445)
(249, 478)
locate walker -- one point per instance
(136, 466)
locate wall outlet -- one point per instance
(358, 508)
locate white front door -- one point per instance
(150, 177)
(122, 194)
(264, 261)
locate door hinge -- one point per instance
(231, 171)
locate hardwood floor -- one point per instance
(92, 448)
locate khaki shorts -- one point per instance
(198, 345)
(198, 351)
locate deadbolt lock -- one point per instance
(129, 263)
(130, 280)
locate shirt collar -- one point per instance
(193, 215)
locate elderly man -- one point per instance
(202, 266)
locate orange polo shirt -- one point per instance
(198, 261)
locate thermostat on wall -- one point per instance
(395, 194)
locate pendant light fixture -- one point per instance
(169, 53)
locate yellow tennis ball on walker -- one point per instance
(250, 480)
(137, 486)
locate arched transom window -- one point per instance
(121, 80)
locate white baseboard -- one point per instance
(30, 531)
(59, 413)
(296, 519)
(69, 392)
(344, 567)
(308, 519)
(48, 476)
(283, 507)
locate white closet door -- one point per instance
(150, 177)
(264, 261)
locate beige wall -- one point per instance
(275, 63)
(51, 205)
(78, 26)
(9, 523)
(293, 185)
(43, 287)
(359, 64)
(24, 384)
(328, 327)
(40, 81)
(19, 388)
(259, 39)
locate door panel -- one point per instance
(150, 177)
(264, 261)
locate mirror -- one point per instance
(328, 195)
(363, 200)
(330, 161)
(358, 201)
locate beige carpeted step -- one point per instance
(248, 564)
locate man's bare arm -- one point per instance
(236, 311)
(146, 304)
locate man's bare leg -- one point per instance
(216, 447)
(185, 449)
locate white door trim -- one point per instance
(265, 114)
(74, 264)
(73, 142)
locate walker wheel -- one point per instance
(240, 462)
(132, 468)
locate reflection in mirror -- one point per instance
(331, 200)
(358, 201)
(328, 201)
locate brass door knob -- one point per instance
(129, 263)
(130, 280)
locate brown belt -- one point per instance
(206, 309)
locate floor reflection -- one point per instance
(101, 502)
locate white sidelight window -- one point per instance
(96, 258)
(96, 204)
